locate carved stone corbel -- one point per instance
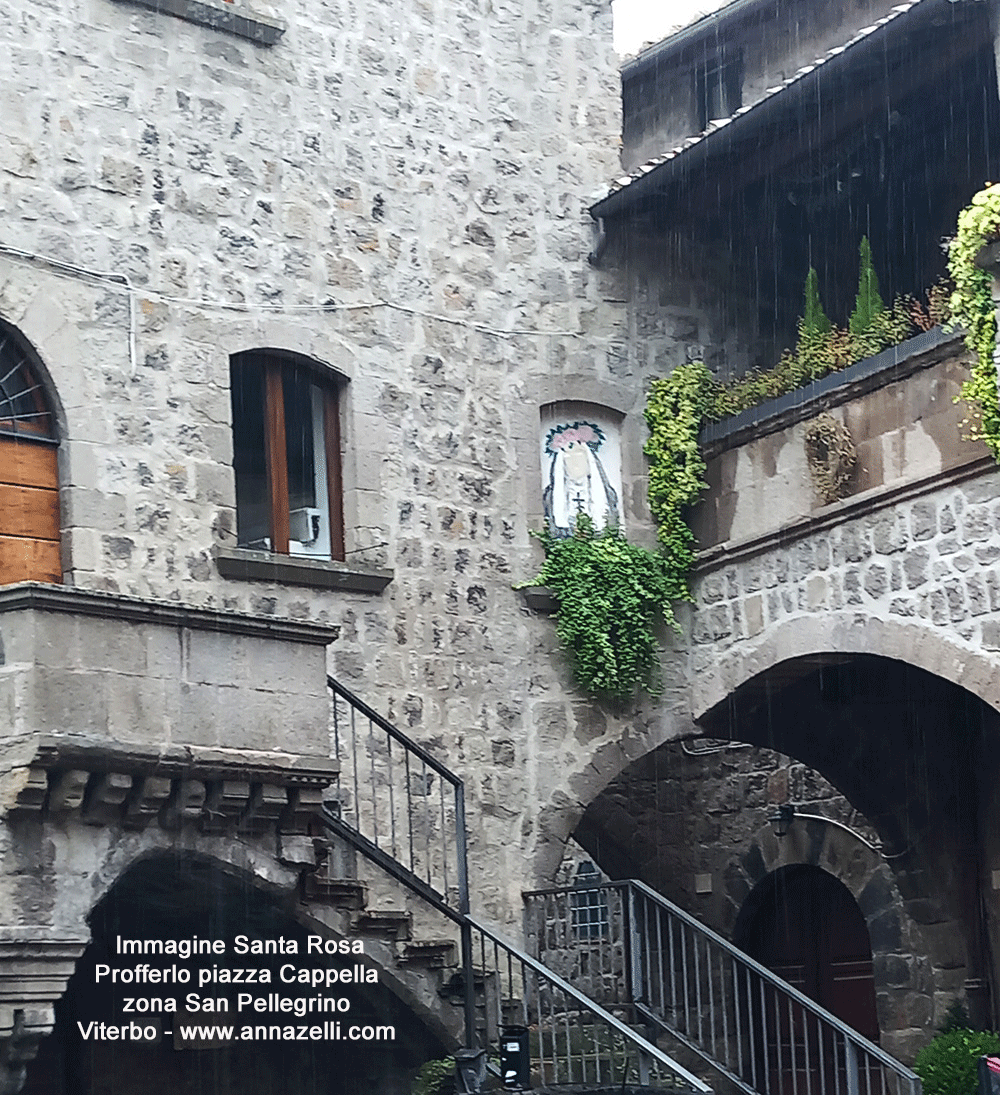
(34, 973)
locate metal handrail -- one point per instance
(551, 1008)
(414, 747)
(399, 826)
(378, 763)
(741, 1018)
(387, 831)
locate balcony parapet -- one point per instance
(894, 364)
(898, 409)
(146, 678)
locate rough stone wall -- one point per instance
(915, 580)
(401, 196)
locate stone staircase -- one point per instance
(393, 869)
(417, 956)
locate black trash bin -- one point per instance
(515, 1059)
(989, 1075)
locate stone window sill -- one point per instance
(263, 566)
(230, 17)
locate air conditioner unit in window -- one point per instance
(304, 527)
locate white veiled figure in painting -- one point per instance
(578, 482)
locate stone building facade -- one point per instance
(367, 232)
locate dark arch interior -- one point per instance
(181, 897)
(914, 755)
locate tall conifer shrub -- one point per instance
(868, 305)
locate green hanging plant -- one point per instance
(612, 594)
(675, 410)
(972, 308)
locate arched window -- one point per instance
(29, 479)
(286, 455)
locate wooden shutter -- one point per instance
(29, 512)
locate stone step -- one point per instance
(389, 923)
(344, 893)
(433, 954)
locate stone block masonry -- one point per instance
(916, 580)
(400, 195)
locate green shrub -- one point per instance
(868, 305)
(947, 1066)
(814, 320)
(435, 1078)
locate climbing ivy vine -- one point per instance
(675, 410)
(972, 308)
(612, 595)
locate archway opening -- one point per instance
(891, 771)
(804, 925)
(195, 955)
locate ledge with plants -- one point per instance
(610, 594)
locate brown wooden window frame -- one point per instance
(275, 367)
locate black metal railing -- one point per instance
(574, 1041)
(627, 947)
(398, 804)
(405, 811)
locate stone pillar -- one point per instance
(34, 972)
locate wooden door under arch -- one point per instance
(805, 926)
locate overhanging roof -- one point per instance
(658, 173)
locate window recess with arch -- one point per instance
(286, 455)
(29, 477)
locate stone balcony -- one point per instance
(101, 695)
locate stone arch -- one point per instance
(564, 803)
(844, 633)
(710, 681)
(911, 753)
(67, 869)
(801, 920)
(198, 891)
(903, 953)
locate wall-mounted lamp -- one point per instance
(781, 819)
